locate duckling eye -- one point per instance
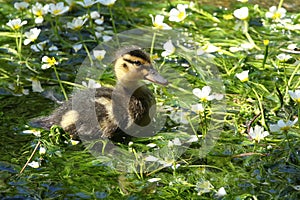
(138, 63)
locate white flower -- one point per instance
(259, 57)
(218, 96)
(58, 9)
(151, 159)
(31, 35)
(99, 54)
(282, 126)
(21, 5)
(243, 1)
(91, 84)
(74, 142)
(207, 49)
(158, 22)
(77, 47)
(107, 2)
(258, 133)
(203, 94)
(198, 108)
(247, 46)
(48, 62)
(241, 13)
(169, 49)
(243, 76)
(203, 186)
(210, 48)
(42, 150)
(179, 14)
(152, 180)
(34, 164)
(86, 3)
(167, 162)
(39, 11)
(16, 24)
(53, 48)
(222, 192)
(106, 38)
(275, 13)
(76, 24)
(95, 15)
(235, 49)
(180, 116)
(292, 46)
(36, 85)
(175, 142)
(295, 95)
(151, 145)
(193, 138)
(39, 46)
(99, 21)
(34, 132)
(71, 3)
(283, 57)
(18, 89)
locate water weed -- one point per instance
(228, 120)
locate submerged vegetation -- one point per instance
(230, 127)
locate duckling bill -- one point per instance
(112, 113)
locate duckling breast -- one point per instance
(132, 111)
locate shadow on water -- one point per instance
(14, 114)
(45, 182)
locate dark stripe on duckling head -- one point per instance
(134, 62)
(140, 54)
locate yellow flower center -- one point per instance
(55, 12)
(51, 61)
(100, 58)
(276, 15)
(39, 13)
(16, 26)
(181, 15)
(228, 17)
(203, 99)
(158, 26)
(266, 42)
(285, 128)
(245, 79)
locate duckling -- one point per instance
(114, 113)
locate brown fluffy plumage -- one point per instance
(111, 112)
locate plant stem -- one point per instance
(60, 84)
(263, 122)
(246, 25)
(152, 44)
(265, 56)
(29, 159)
(114, 25)
(298, 115)
(280, 4)
(86, 50)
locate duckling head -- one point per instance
(134, 65)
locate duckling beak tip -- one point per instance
(155, 77)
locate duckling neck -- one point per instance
(129, 86)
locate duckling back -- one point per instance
(104, 112)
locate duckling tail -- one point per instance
(42, 122)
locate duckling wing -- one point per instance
(87, 114)
(46, 122)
